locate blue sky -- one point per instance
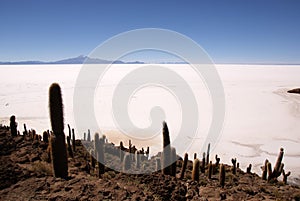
(241, 31)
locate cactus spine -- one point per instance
(166, 154)
(57, 141)
(222, 175)
(195, 171)
(185, 160)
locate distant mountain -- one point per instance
(76, 60)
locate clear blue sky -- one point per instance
(247, 31)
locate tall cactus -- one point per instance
(207, 154)
(278, 166)
(73, 140)
(210, 168)
(57, 141)
(137, 159)
(157, 164)
(265, 170)
(166, 154)
(222, 175)
(174, 160)
(285, 176)
(185, 160)
(89, 136)
(195, 171)
(99, 149)
(127, 162)
(203, 163)
(13, 126)
(69, 147)
(233, 160)
(69, 128)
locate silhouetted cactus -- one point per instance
(203, 163)
(183, 168)
(69, 147)
(147, 152)
(278, 166)
(137, 159)
(196, 169)
(285, 176)
(157, 164)
(69, 128)
(207, 153)
(126, 162)
(217, 161)
(84, 136)
(121, 151)
(45, 137)
(237, 165)
(195, 156)
(13, 126)
(99, 149)
(92, 159)
(249, 168)
(222, 175)
(233, 165)
(57, 141)
(89, 136)
(269, 167)
(25, 133)
(166, 154)
(209, 170)
(265, 170)
(174, 160)
(73, 140)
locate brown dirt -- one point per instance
(26, 174)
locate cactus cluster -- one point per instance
(272, 175)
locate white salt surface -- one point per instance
(260, 116)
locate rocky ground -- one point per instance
(26, 174)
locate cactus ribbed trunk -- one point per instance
(265, 170)
(174, 161)
(195, 171)
(222, 175)
(73, 140)
(166, 154)
(58, 145)
(185, 160)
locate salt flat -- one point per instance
(260, 116)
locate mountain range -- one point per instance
(76, 60)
